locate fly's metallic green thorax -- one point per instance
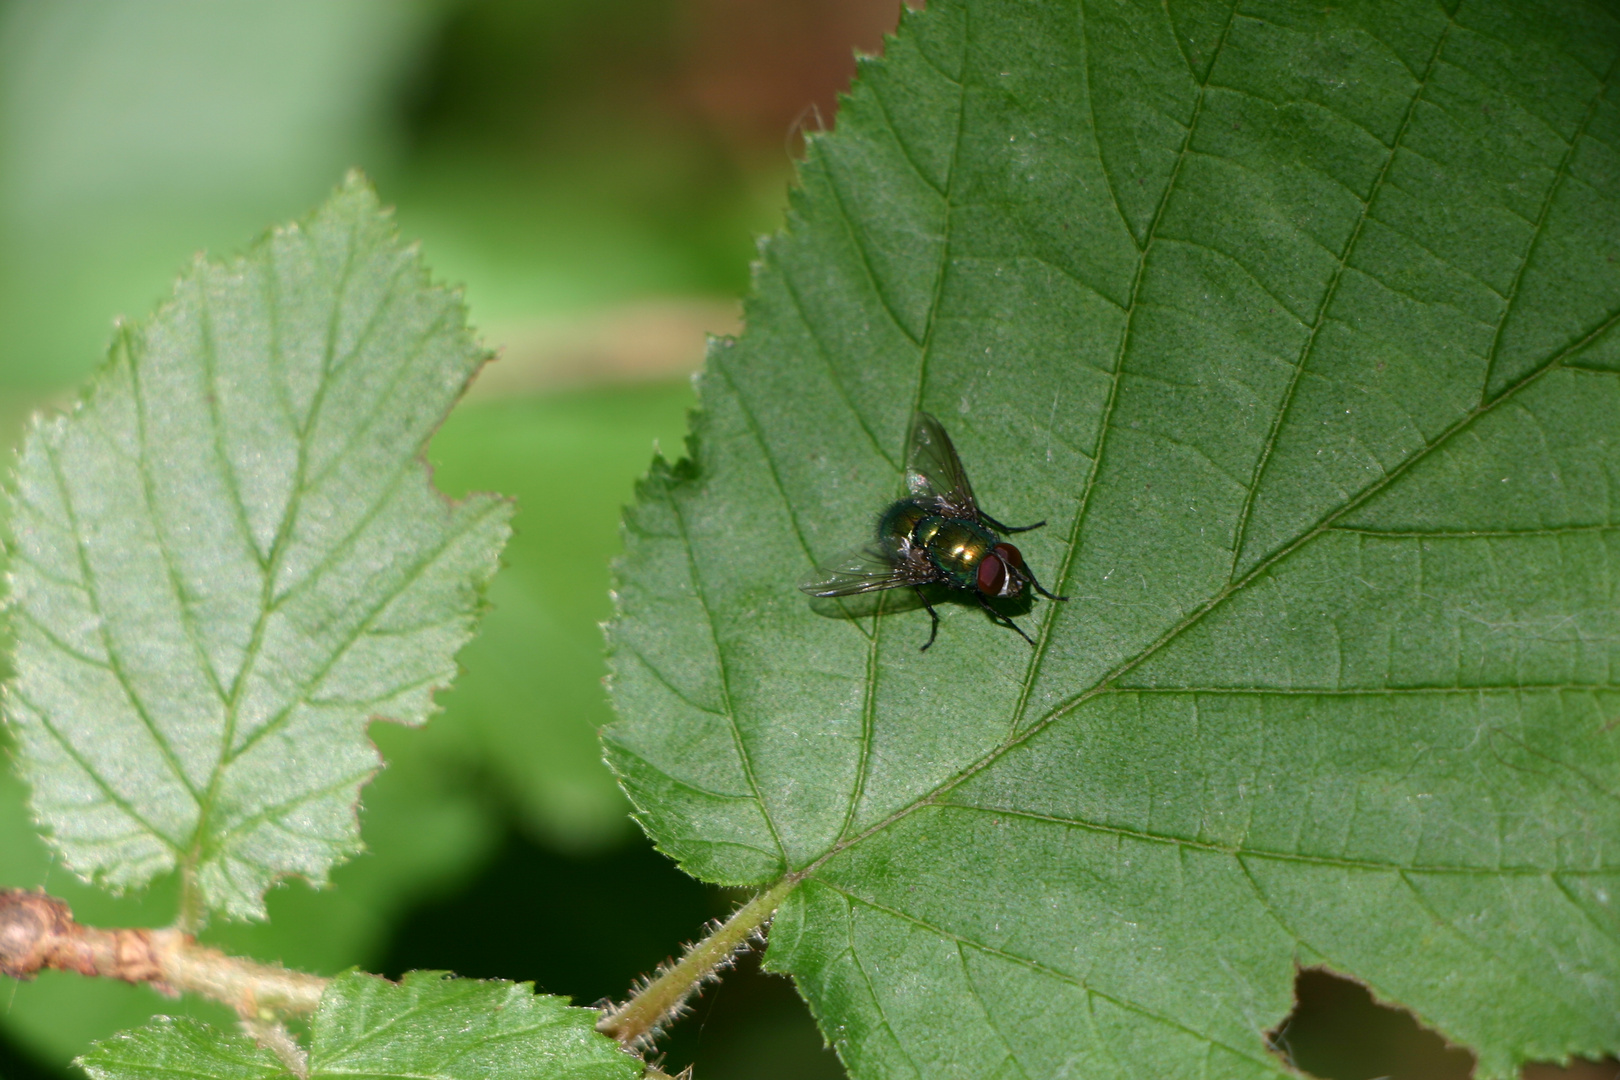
(955, 547)
(958, 548)
(936, 536)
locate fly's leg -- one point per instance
(999, 527)
(1039, 589)
(1001, 620)
(933, 628)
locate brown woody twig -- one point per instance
(37, 933)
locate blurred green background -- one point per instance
(594, 175)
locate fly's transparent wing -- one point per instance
(869, 569)
(934, 471)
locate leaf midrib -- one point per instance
(270, 565)
(1241, 851)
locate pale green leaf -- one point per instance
(1296, 322)
(228, 557)
(427, 1027)
(180, 1046)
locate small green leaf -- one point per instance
(228, 558)
(179, 1046)
(445, 1027)
(1297, 324)
(428, 1026)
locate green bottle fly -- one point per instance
(937, 535)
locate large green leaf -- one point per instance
(1296, 322)
(426, 1026)
(229, 557)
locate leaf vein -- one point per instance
(72, 751)
(1043, 969)
(663, 680)
(412, 576)
(1540, 226)
(687, 785)
(1071, 551)
(740, 744)
(832, 374)
(1242, 851)
(1308, 346)
(148, 487)
(216, 420)
(114, 661)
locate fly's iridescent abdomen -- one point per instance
(900, 520)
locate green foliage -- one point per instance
(427, 1026)
(228, 558)
(1297, 324)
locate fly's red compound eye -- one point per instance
(992, 575)
(1016, 571)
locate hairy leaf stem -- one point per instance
(663, 997)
